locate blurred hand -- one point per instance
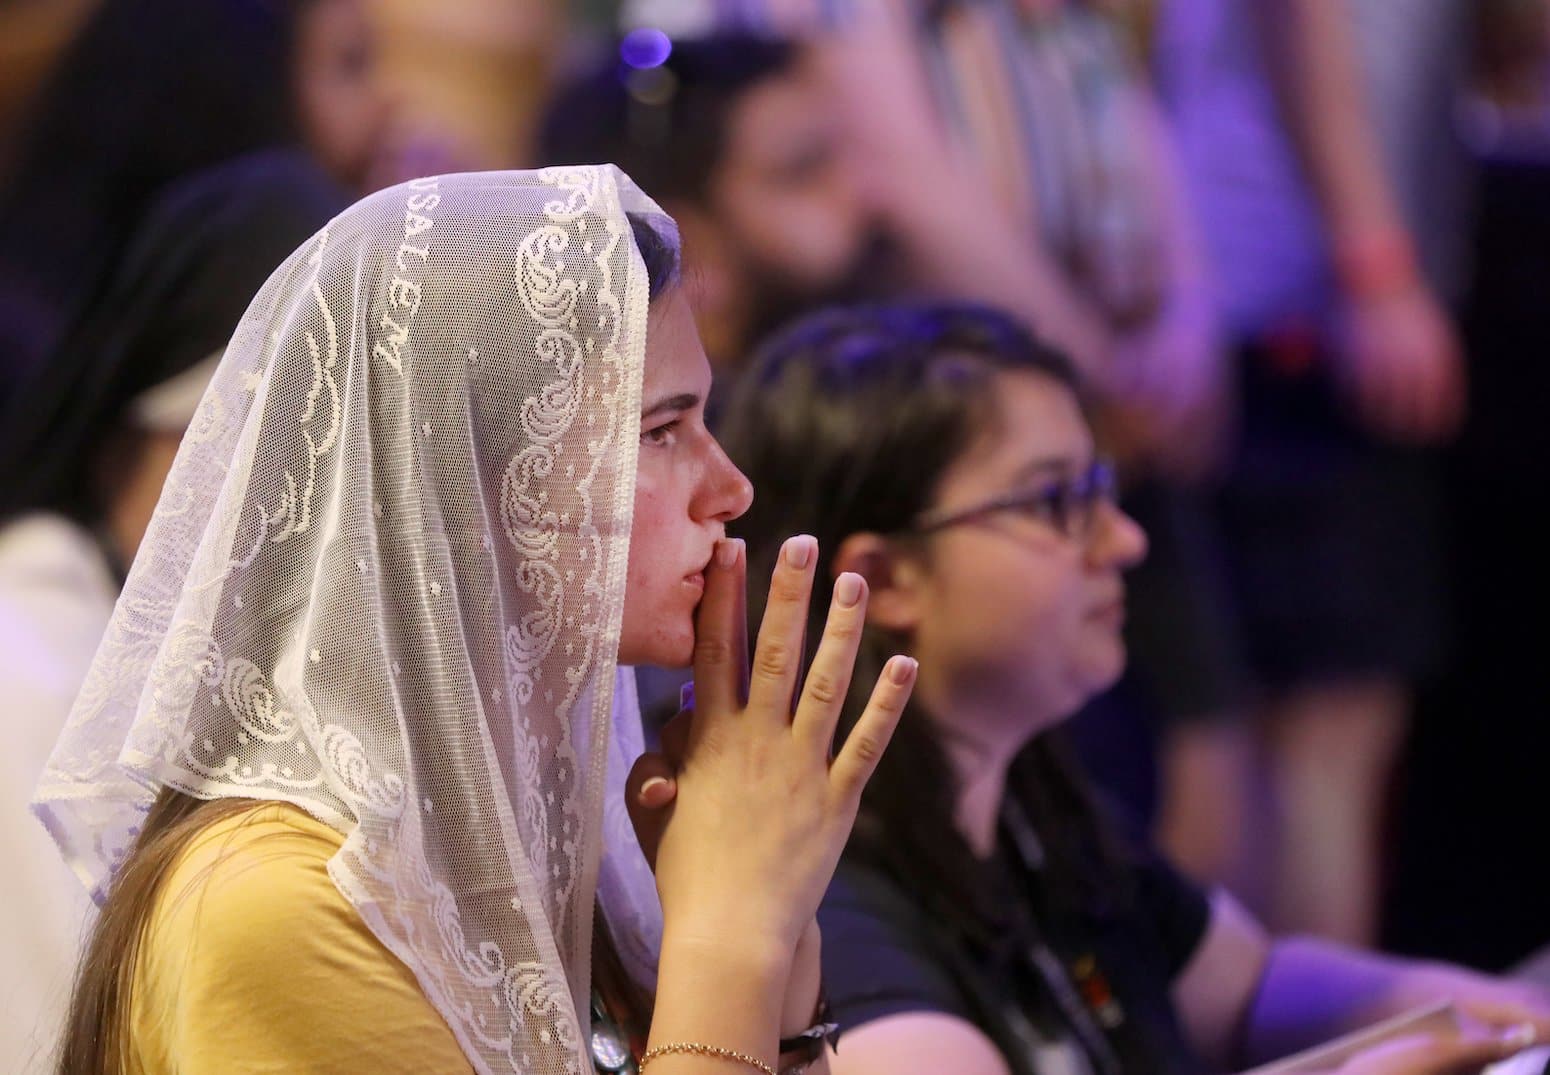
(1437, 1054)
(1403, 366)
(894, 132)
(1497, 1004)
(742, 815)
(1170, 383)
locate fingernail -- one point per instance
(847, 589)
(649, 788)
(799, 550)
(902, 669)
(1519, 1037)
(726, 552)
(686, 696)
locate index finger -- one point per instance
(721, 633)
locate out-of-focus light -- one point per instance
(644, 48)
(652, 85)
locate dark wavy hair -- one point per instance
(145, 93)
(845, 423)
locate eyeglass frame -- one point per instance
(1096, 484)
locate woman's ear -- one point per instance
(893, 581)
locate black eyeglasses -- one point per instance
(1068, 506)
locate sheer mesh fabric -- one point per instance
(384, 583)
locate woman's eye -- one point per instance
(1049, 506)
(662, 435)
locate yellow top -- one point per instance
(255, 962)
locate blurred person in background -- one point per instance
(1462, 886)
(1317, 142)
(731, 134)
(85, 446)
(1042, 116)
(147, 92)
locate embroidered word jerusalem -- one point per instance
(404, 294)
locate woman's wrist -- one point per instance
(1375, 263)
(754, 955)
(722, 991)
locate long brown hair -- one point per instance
(96, 1039)
(96, 1031)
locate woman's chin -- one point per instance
(661, 650)
(1106, 670)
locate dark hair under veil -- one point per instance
(145, 93)
(172, 300)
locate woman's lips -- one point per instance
(696, 581)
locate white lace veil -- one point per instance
(384, 583)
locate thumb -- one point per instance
(649, 792)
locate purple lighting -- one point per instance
(645, 48)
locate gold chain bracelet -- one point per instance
(696, 1049)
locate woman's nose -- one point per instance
(1117, 539)
(727, 490)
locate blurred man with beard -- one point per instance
(732, 136)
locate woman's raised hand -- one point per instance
(744, 815)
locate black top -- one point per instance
(883, 954)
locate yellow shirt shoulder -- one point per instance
(255, 962)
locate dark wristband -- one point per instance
(808, 1045)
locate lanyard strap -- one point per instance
(1047, 965)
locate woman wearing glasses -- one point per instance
(987, 918)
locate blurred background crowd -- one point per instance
(1297, 249)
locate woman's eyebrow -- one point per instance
(683, 401)
(1049, 465)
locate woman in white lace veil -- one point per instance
(390, 583)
